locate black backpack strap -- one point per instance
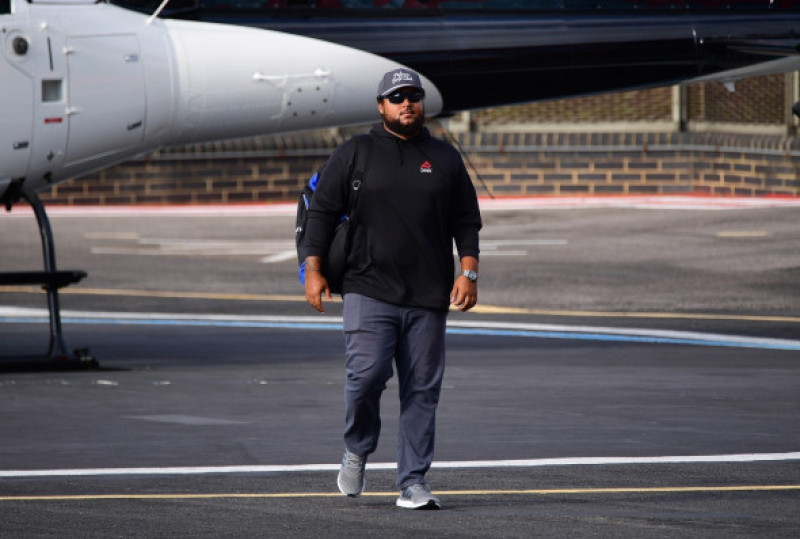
(358, 171)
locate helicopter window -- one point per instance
(51, 90)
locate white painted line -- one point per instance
(655, 333)
(661, 202)
(492, 247)
(504, 253)
(199, 247)
(280, 257)
(177, 251)
(181, 419)
(200, 210)
(469, 464)
(494, 244)
(604, 461)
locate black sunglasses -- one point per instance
(398, 97)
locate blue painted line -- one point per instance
(336, 326)
(183, 322)
(605, 337)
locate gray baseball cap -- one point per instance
(396, 79)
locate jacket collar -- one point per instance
(379, 130)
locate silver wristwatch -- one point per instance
(470, 274)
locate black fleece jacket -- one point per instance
(417, 199)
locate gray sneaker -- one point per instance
(418, 497)
(351, 479)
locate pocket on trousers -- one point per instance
(352, 312)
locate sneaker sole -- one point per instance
(429, 505)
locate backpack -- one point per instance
(335, 262)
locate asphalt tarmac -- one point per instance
(632, 370)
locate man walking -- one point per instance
(416, 200)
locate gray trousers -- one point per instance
(376, 334)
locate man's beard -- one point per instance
(406, 130)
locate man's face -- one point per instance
(403, 118)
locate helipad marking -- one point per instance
(469, 464)
(486, 328)
(498, 492)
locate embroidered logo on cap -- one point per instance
(401, 76)
(426, 167)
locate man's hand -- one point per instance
(465, 292)
(464, 295)
(316, 283)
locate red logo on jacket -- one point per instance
(426, 167)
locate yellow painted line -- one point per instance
(622, 490)
(171, 294)
(743, 234)
(133, 236)
(497, 492)
(478, 309)
(497, 309)
(490, 309)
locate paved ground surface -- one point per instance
(633, 371)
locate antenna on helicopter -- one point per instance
(157, 12)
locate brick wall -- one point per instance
(273, 169)
(158, 181)
(536, 164)
(633, 106)
(758, 100)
